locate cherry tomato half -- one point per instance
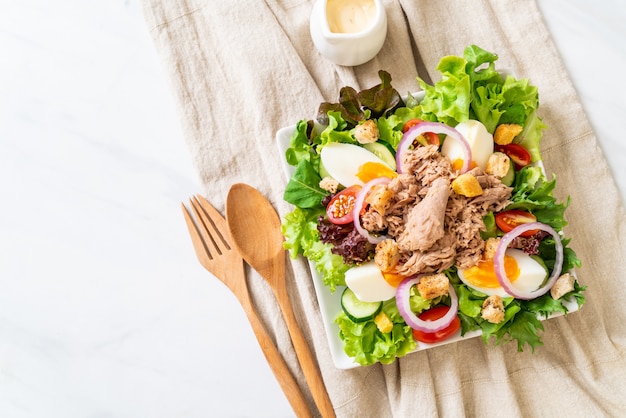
(340, 207)
(431, 137)
(509, 219)
(517, 153)
(434, 314)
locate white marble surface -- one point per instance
(104, 310)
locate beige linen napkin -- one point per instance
(242, 70)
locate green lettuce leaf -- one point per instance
(335, 131)
(491, 230)
(470, 301)
(486, 105)
(501, 329)
(299, 228)
(418, 304)
(545, 305)
(300, 144)
(448, 100)
(524, 329)
(534, 193)
(471, 88)
(476, 57)
(390, 128)
(530, 138)
(368, 345)
(329, 266)
(303, 188)
(511, 101)
(470, 308)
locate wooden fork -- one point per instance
(212, 243)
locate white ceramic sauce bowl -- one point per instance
(348, 48)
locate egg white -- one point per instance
(479, 139)
(368, 283)
(531, 276)
(342, 161)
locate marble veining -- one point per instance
(104, 310)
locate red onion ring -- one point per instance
(498, 261)
(358, 204)
(403, 296)
(438, 128)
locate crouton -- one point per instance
(563, 285)
(433, 285)
(329, 184)
(491, 245)
(383, 322)
(379, 198)
(505, 133)
(387, 254)
(467, 185)
(366, 132)
(493, 309)
(498, 164)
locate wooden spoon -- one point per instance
(255, 229)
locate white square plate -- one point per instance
(330, 303)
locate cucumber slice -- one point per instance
(357, 310)
(382, 152)
(507, 180)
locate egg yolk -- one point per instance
(371, 170)
(394, 279)
(483, 274)
(458, 163)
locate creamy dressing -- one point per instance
(350, 16)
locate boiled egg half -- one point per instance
(480, 142)
(525, 273)
(368, 283)
(351, 164)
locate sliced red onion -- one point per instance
(403, 296)
(438, 128)
(358, 205)
(498, 261)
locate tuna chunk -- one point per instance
(437, 258)
(425, 221)
(426, 164)
(433, 227)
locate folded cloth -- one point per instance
(242, 70)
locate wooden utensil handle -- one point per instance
(277, 364)
(307, 361)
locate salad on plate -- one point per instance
(429, 217)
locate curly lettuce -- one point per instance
(471, 88)
(364, 342)
(533, 192)
(299, 228)
(521, 317)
